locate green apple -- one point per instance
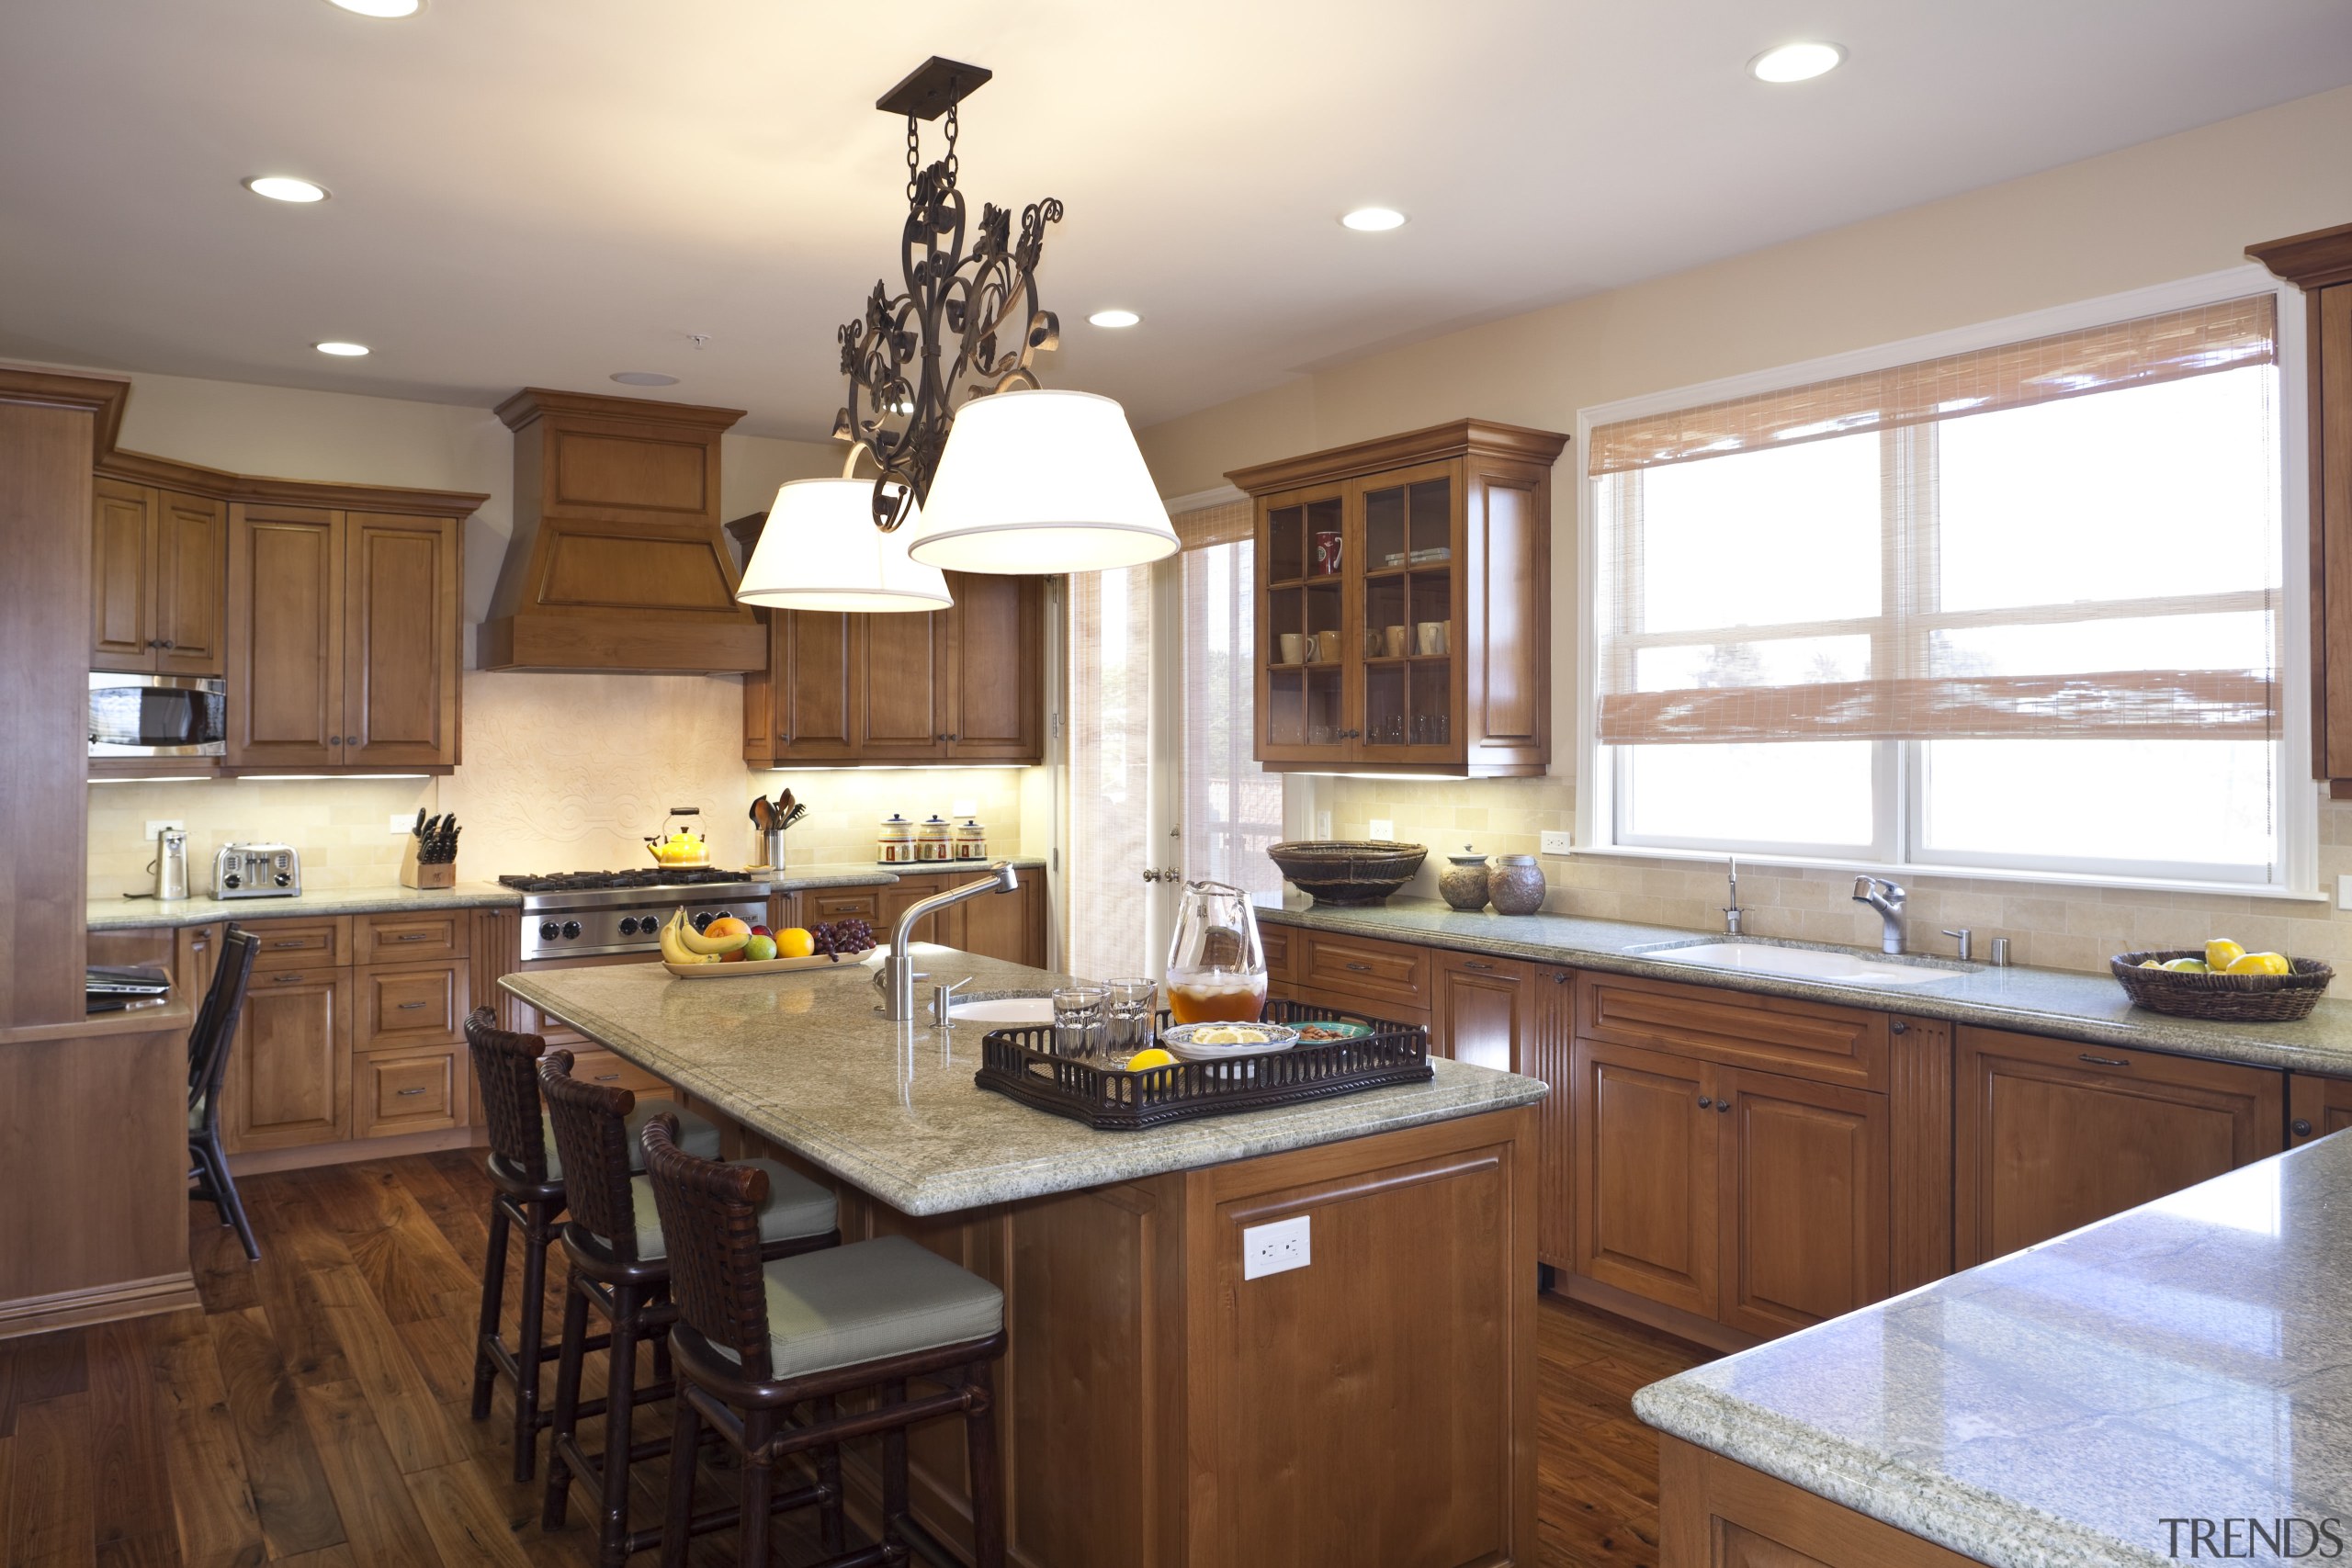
(759, 950)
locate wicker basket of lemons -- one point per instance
(2223, 982)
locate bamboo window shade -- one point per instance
(1912, 689)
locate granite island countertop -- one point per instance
(146, 914)
(806, 1060)
(2065, 1003)
(2184, 1359)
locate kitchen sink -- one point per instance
(1003, 1013)
(1830, 965)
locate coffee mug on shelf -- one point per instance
(1327, 647)
(1397, 641)
(1327, 553)
(1293, 648)
(1431, 637)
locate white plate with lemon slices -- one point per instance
(1224, 1042)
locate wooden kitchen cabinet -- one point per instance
(945, 928)
(961, 684)
(1804, 1210)
(1008, 926)
(288, 1081)
(2320, 263)
(1447, 528)
(1484, 1010)
(344, 640)
(1647, 1146)
(2316, 1107)
(1551, 1056)
(420, 1090)
(2050, 1134)
(159, 561)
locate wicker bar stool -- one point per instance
(752, 1341)
(619, 1267)
(527, 1171)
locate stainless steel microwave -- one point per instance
(158, 716)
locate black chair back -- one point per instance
(216, 1021)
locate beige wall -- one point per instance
(562, 773)
(2165, 209)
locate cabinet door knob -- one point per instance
(2103, 1061)
(334, 739)
(1559, 976)
(167, 643)
(1706, 1103)
(2301, 1128)
(1724, 1106)
(785, 739)
(1898, 1027)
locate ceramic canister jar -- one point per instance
(934, 840)
(1516, 886)
(895, 845)
(1464, 881)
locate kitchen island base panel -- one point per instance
(1717, 1513)
(1375, 1409)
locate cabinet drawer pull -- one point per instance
(1706, 1103)
(1898, 1027)
(290, 941)
(411, 936)
(1360, 969)
(606, 1077)
(410, 1007)
(405, 1093)
(284, 979)
(1478, 964)
(2104, 1061)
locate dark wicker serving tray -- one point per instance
(1020, 1063)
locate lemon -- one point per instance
(794, 943)
(2188, 965)
(2259, 964)
(2220, 953)
(2150, 963)
(1143, 1061)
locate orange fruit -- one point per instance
(727, 925)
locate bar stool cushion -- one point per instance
(795, 1207)
(696, 1135)
(870, 1301)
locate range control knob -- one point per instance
(702, 917)
(572, 928)
(629, 925)
(550, 931)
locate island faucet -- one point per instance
(897, 974)
(1886, 897)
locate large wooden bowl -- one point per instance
(1348, 871)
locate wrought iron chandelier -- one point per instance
(1047, 482)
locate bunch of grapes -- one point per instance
(834, 938)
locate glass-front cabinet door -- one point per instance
(1410, 614)
(1306, 666)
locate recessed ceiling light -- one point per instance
(1796, 61)
(1372, 220)
(1114, 318)
(286, 188)
(380, 8)
(341, 350)
(644, 378)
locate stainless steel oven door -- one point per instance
(158, 716)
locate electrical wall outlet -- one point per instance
(966, 808)
(1274, 1248)
(155, 826)
(402, 822)
(1558, 843)
(1322, 824)
(1383, 829)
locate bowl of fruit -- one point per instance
(2223, 982)
(729, 947)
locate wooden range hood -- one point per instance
(618, 562)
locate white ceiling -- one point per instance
(548, 191)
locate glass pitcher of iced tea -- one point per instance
(1216, 970)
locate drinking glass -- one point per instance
(1081, 1022)
(1133, 1018)
(1216, 968)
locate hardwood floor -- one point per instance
(314, 1413)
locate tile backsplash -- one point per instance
(2048, 924)
(562, 773)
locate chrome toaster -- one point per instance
(257, 871)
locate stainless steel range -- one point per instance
(579, 914)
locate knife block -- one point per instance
(415, 874)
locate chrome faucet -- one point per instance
(1886, 897)
(1732, 911)
(899, 974)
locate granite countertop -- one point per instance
(805, 1059)
(2181, 1361)
(2065, 1003)
(146, 914)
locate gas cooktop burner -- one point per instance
(600, 881)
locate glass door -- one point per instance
(1410, 620)
(1305, 658)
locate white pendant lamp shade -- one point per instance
(822, 551)
(1041, 481)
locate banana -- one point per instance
(673, 950)
(695, 941)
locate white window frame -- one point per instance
(2295, 876)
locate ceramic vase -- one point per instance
(1463, 883)
(1516, 886)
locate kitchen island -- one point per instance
(1372, 1409)
(2151, 1388)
